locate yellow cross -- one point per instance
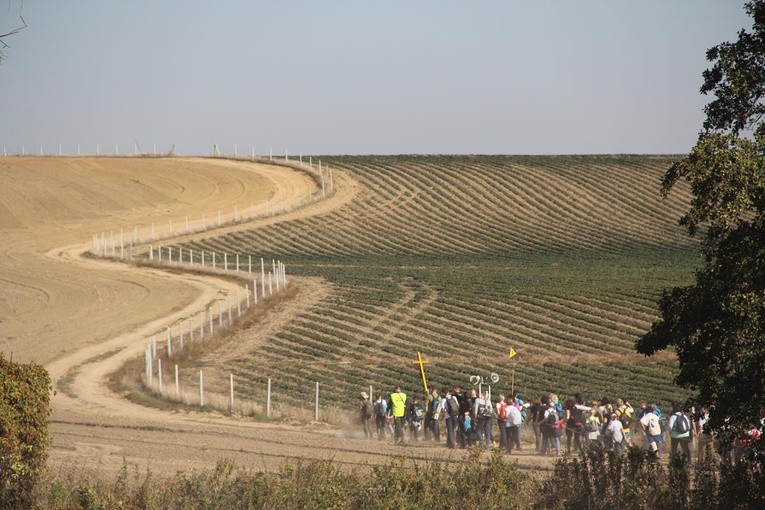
(422, 364)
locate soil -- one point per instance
(83, 317)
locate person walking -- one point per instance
(381, 412)
(483, 414)
(450, 408)
(501, 411)
(536, 415)
(397, 410)
(615, 430)
(592, 427)
(652, 429)
(680, 431)
(433, 416)
(415, 415)
(512, 426)
(366, 414)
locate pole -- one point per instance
(512, 381)
(177, 385)
(316, 412)
(268, 399)
(201, 390)
(231, 404)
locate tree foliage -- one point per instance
(24, 410)
(717, 325)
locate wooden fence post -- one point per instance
(231, 404)
(268, 399)
(201, 390)
(316, 413)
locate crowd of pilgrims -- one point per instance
(472, 417)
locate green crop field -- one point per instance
(461, 257)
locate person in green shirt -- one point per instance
(397, 409)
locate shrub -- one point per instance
(24, 409)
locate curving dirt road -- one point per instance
(82, 318)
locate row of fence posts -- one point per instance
(207, 318)
(120, 245)
(231, 397)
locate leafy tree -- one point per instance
(717, 325)
(24, 409)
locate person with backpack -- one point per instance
(652, 429)
(615, 431)
(465, 400)
(680, 431)
(551, 428)
(512, 425)
(483, 413)
(433, 416)
(574, 422)
(592, 427)
(415, 416)
(451, 411)
(624, 412)
(381, 411)
(366, 413)
(574, 418)
(501, 410)
(536, 415)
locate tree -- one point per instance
(717, 325)
(18, 28)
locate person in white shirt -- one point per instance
(615, 431)
(680, 431)
(513, 428)
(650, 424)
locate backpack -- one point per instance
(592, 426)
(369, 409)
(682, 424)
(552, 420)
(484, 411)
(502, 415)
(625, 419)
(379, 410)
(454, 407)
(577, 415)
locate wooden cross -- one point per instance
(422, 363)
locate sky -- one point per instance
(359, 77)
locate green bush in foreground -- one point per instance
(24, 409)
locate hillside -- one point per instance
(462, 257)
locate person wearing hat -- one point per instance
(366, 413)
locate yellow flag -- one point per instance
(512, 352)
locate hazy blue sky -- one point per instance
(359, 77)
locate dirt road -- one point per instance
(82, 318)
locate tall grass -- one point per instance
(490, 483)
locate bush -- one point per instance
(316, 484)
(24, 409)
(601, 479)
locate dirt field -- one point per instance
(82, 318)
